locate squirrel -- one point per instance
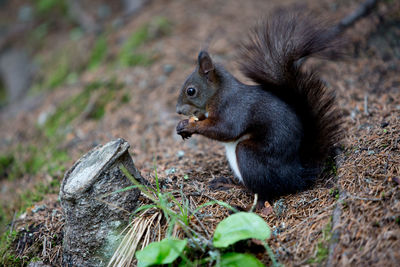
(278, 133)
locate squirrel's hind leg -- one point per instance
(268, 174)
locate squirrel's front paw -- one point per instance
(182, 130)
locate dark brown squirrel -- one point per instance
(278, 133)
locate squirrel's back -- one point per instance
(272, 57)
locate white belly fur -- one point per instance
(231, 156)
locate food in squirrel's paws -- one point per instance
(193, 119)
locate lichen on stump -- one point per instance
(94, 213)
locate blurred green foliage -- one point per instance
(57, 67)
(36, 38)
(59, 73)
(66, 63)
(125, 98)
(6, 161)
(46, 7)
(77, 105)
(99, 52)
(3, 94)
(129, 54)
(24, 160)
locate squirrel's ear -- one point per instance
(205, 63)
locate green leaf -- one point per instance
(240, 226)
(234, 259)
(163, 252)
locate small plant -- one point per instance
(330, 166)
(191, 250)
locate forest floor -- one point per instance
(350, 218)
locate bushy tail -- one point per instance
(272, 57)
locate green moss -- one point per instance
(58, 74)
(31, 160)
(75, 106)
(7, 257)
(10, 242)
(3, 94)
(23, 160)
(59, 66)
(36, 160)
(30, 197)
(160, 26)
(125, 98)
(322, 253)
(129, 54)
(27, 199)
(57, 163)
(134, 59)
(108, 91)
(47, 7)
(36, 37)
(3, 220)
(99, 52)
(65, 113)
(34, 259)
(76, 34)
(138, 38)
(323, 245)
(6, 163)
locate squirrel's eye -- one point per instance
(191, 91)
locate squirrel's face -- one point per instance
(198, 88)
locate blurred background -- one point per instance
(78, 73)
(45, 43)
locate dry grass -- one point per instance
(143, 229)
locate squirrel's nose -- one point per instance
(179, 110)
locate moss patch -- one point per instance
(99, 52)
(47, 7)
(3, 94)
(7, 256)
(323, 245)
(130, 54)
(90, 103)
